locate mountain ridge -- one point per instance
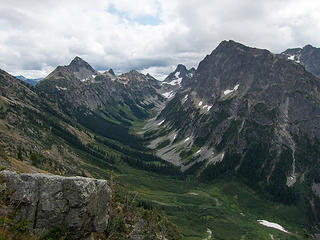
(247, 112)
(308, 56)
(244, 112)
(78, 84)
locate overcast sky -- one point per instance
(147, 35)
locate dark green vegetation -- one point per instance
(195, 206)
(191, 205)
(255, 149)
(227, 206)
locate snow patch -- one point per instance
(207, 107)
(160, 123)
(222, 156)
(226, 92)
(61, 88)
(175, 82)
(174, 137)
(291, 57)
(272, 225)
(84, 79)
(200, 103)
(199, 151)
(193, 193)
(291, 180)
(88, 78)
(187, 139)
(185, 98)
(168, 94)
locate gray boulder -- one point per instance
(79, 205)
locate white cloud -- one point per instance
(159, 73)
(137, 8)
(36, 35)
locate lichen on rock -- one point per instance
(79, 205)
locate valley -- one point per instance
(227, 206)
(215, 149)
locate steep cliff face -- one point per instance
(238, 83)
(248, 112)
(78, 205)
(235, 72)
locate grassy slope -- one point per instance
(226, 206)
(218, 206)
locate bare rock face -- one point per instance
(176, 81)
(79, 205)
(308, 56)
(78, 85)
(256, 109)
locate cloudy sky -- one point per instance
(147, 35)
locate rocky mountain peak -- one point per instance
(134, 72)
(308, 56)
(111, 72)
(181, 68)
(79, 62)
(176, 81)
(230, 64)
(179, 74)
(230, 51)
(231, 45)
(81, 68)
(64, 78)
(240, 96)
(132, 76)
(308, 46)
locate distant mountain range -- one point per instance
(244, 112)
(31, 81)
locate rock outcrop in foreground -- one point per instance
(79, 205)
